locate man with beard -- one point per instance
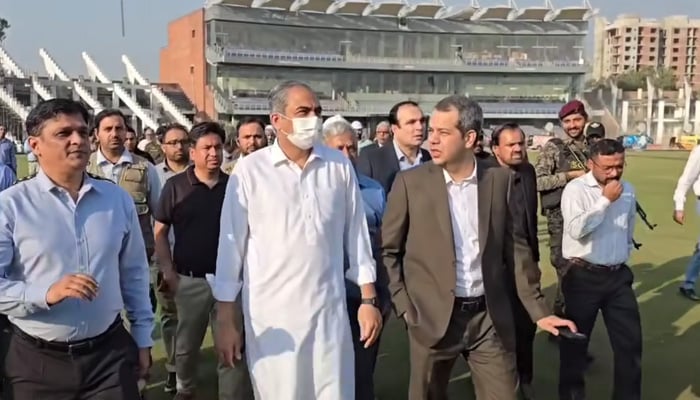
(508, 146)
(130, 144)
(250, 136)
(559, 163)
(133, 173)
(176, 147)
(599, 211)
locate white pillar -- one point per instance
(625, 116)
(697, 117)
(660, 122)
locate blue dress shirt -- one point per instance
(8, 154)
(374, 202)
(45, 235)
(7, 177)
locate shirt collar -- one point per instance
(125, 158)
(402, 157)
(278, 156)
(46, 184)
(192, 177)
(471, 178)
(166, 168)
(590, 180)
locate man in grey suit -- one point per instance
(450, 248)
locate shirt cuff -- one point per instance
(363, 275)
(226, 290)
(35, 296)
(142, 335)
(680, 205)
(602, 203)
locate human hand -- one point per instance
(550, 324)
(76, 286)
(370, 321)
(228, 342)
(679, 217)
(612, 190)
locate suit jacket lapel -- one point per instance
(390, 156)
(485, 189)
(442, 203)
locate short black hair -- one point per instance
(163, 129)
(130, 129)
(606, 147)
(207, 128)
(107, 112)
(250, 120)
(50, 109)
(393, 113)
(508, 126)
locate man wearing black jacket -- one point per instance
(508, 147)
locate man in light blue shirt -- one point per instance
(7, 150)
(71, 259)
(7, 177)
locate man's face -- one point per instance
(130, 141)
(62, 144)
(3, 132)
(207, 152)
(111, 133)
(149, 134)
(510, 149)
(409, 130)
(607, 168)
(251, 137)
(573, 125)
(346, 142)
(176, 145)
(447, 144)
(301, 103)
(382, 134)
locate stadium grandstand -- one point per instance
(362, 57)
(147, 104)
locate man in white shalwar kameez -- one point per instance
(292, 211)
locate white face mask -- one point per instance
(306, 131)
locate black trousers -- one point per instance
(365, 359)
(107, 371)
(586, 291)
(525, 331)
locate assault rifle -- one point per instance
(638, 207)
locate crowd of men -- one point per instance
(294, 246)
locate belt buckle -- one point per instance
(469, 305)
(78, 347)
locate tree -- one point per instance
(4, 26)
(661, 78)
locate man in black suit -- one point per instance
(383, 163)
(508, 147)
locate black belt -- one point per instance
(470, 304)
(580, 262)
(78, 347)
(193, 274)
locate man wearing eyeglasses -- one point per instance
(175, 145)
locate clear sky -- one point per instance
(66, 28)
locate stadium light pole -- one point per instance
(121, 4)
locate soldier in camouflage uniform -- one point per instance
(559, 162)
(250, 137)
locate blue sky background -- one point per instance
(66, 28)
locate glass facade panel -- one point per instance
(315, 40)
(242, 80)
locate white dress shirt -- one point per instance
(689, 178)
(404, 163)
(595, 229)
(284, 234)
(464, 197)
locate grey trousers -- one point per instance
(196, 310)
(168, 317)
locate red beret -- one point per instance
(572, 107)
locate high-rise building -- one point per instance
(633, 43)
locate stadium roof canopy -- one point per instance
(423, 10)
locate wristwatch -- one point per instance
(372, 301)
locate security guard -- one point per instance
(250, 137)
(72, 258)
(133, 173)
(559, 162)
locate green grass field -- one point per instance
(671, 324)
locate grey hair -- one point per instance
(471, 116)
(336, 127)
(277, 98)
(383, 123)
